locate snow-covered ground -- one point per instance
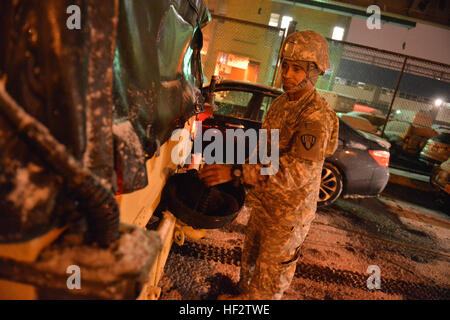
(409, 244)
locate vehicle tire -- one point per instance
(331, 185)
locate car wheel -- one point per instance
(331, 185)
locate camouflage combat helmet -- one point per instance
(307, 46)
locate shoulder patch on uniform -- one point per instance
(308, 141)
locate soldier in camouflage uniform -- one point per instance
(283, 205)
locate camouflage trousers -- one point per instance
(271, 249)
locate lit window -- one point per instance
(338, 33)
(274, 18)
(285, 22)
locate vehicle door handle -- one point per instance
(240, 126)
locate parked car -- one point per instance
(358, 122)
(375, 119)
(439, 127)
(440, 180)
(395, 131)
(437, 149)
(359, 167)
(407, 139)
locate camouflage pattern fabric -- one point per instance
(283, 205)
(307, 46)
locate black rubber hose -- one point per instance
(99, 201)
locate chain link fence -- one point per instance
(240, 50)
(405, 100)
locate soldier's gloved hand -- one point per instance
(215, 174)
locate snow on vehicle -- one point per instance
(86, 120)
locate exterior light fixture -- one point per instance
(438, 102)
(338, 33)
(285, 22)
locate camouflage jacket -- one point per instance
(308, 133)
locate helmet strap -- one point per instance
(310, 80)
